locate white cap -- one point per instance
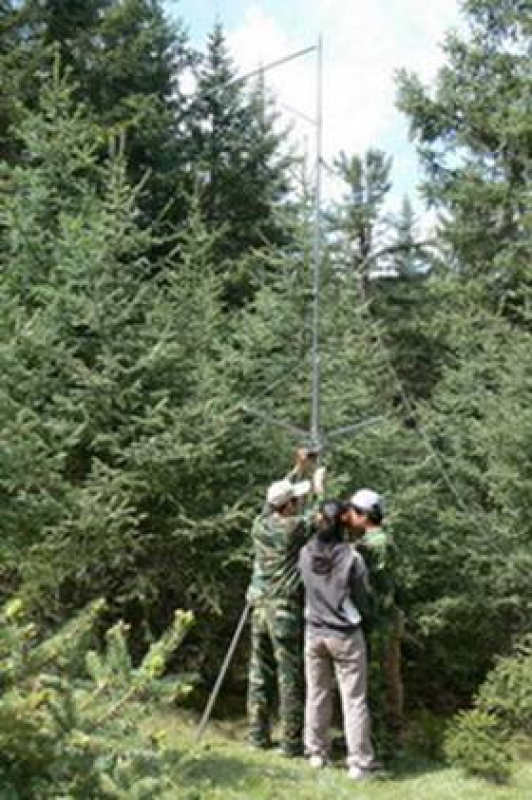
(366, 500)
(280, 492)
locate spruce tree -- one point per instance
(9, 17)
(401, 299)
(407, 255)
(472, 138)
(473, 135)
(126, 61)
(114, 406)
(472, 497)
(70, 713)
(238, 164)
(358, 219)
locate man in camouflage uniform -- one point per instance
(276, 622)
(364, 517)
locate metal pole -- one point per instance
(223, 670)
(272, 65)
(355, 427)
(274, 421)
(315, 409)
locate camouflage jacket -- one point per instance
(277, 541)
(379, 552)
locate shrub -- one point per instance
(479, 740)
(507, 691)
(77, 733)
(476, 743)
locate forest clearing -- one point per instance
(184, 304)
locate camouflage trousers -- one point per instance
(276, 667)
(385, 685)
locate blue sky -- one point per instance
(200, 14)
(365, 42)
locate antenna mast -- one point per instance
(315, 437)
(316, 256)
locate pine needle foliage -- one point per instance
(480, 740)
(475, 743)
(239, 164)
(474, 139)
(471, 492)
(114, 403)
(70, 719)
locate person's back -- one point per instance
(335, 594)
(334, 577)
(277, 542)
(275, 595)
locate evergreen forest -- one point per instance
(156, 257)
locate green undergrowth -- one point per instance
(223, 766)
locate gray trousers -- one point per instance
(325, 657)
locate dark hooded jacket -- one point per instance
(333, 573)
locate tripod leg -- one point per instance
(223, 670)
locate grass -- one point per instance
(223, 766)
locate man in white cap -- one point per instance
(276, 595)
(364, 516)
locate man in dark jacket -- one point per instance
(334, 577)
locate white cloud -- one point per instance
(261, 40)
(365, 42)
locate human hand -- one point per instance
(302, 457)
(318, 481)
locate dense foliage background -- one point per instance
(155, 248)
